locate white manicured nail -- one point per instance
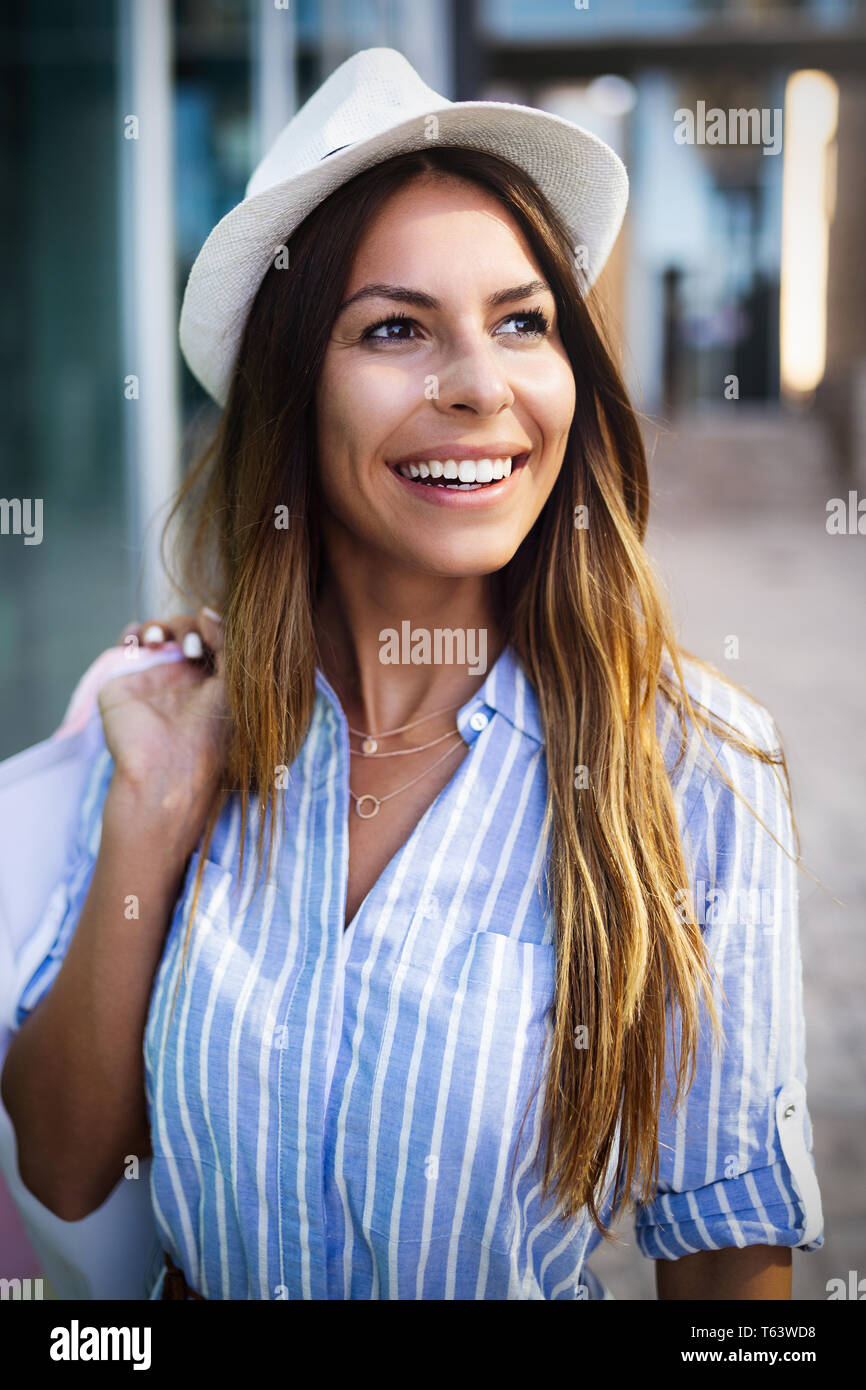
(192, 646)
(211, 614)
(154, 633)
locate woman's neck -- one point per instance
(396, 645)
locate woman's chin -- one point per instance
(460, 561)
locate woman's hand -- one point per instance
(167, 729)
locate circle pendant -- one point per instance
(369, 745)
(367, 815)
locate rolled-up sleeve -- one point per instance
(67, 899)
(735, 1160)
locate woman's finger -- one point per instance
(154, 633)
(182, 628)
(200, 638)
(211, 628)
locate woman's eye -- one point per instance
(536, 321)
(535, 325)
(374, 333)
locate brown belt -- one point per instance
(174, 1284)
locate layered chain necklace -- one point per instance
(370, 749)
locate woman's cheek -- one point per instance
(344, 415)
(387, 390)
(549, 392)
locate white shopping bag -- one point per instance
(115, 1252)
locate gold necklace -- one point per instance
(402, 752)
(370, 743)
(378, 800)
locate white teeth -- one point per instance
(459, 471)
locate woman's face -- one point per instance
(473, 370)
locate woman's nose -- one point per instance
(472, 378)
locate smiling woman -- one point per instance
(418, 1048)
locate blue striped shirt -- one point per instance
(334, 1113)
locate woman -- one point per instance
(444, 862)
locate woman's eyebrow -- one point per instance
(403, 295)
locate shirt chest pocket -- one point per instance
(461, 1052)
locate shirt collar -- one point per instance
(506, 690)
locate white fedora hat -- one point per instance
(371, 107)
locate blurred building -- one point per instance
(718, 232)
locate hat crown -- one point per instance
(366, 95)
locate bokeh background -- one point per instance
(736, 294)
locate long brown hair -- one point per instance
(583, 612)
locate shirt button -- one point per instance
(790, 1110)
(478, 720)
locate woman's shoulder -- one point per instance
(732, 723)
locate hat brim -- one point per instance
(584, 180)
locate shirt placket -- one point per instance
(472, 719)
